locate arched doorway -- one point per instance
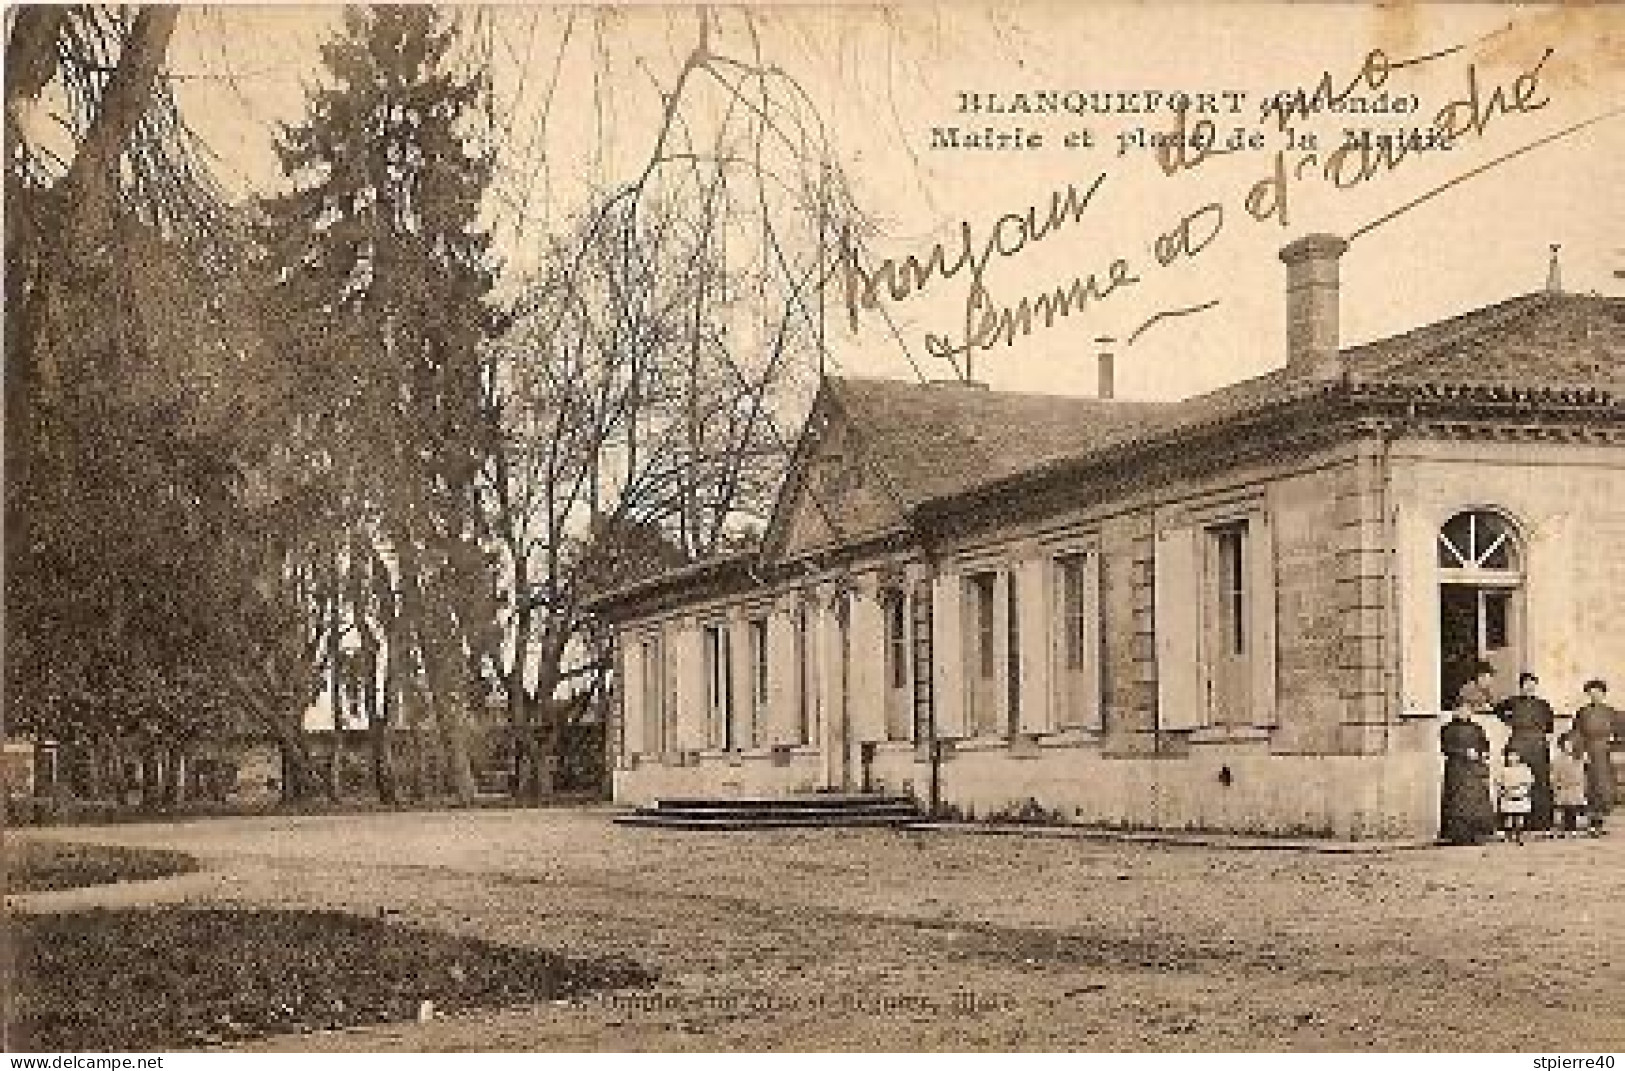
(1481, 611)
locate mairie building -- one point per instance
(1239, 612)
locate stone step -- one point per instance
(745, 814)
(694, 821)
(831, 801)
(777, 812)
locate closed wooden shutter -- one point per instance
(630, 652)
(1034, 602)
(830, 660)
(1177, 620)
(658, 702)
(1262, 616)
(688, 666)
(781, 678)
(1094, 611)
(948, 655)
(743, 655)
(867, 675)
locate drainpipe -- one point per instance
(1394, 700)
(933, 742)
(1156, 698)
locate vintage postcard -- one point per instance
(770, 528)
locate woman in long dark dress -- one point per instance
(1467, 814)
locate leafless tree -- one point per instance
(667, 338)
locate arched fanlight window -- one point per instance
(1480, 541)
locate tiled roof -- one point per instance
(939, 444)
(1534, 348)
(932, 440)
(1542, 341)
(1546, 340)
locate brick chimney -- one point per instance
(1311, 303)
(1106, 369)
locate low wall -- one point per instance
(742, 775)
(1223, 786)
(1354, 797)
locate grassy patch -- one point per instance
(175, 978)
(45, 811)
(43, 865)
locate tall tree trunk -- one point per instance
(174, 760)
(286, 728)
(151, 774)
(380, 714)
(119, 761)
(527, 752)
(302, 775)
(415, 717)
(384, 778)
(335, 684)
(446, 672)
(84, 199)
(383, 710)
(547, 731)
(295, 779)
(335, 760)
(94, 786)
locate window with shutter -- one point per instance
(981, 653)
(757, 631)
(1176, 602)
(1076, 627)
(1226, 647)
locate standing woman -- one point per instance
(1593, 730)
(1532, 720)
(1466, 812)
(1478, 697)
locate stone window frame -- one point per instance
(716, 663)
(1206, 514)
(1085, 545)
(1514, 580)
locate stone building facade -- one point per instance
(1243, 611)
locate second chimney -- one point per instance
(1106, 368)
(1311, 303)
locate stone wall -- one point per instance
(1331, 755)
(1235, 786)
(1568, 502)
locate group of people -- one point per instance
(1503, 770)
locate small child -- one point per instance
(1568, 783)
(1517, 793)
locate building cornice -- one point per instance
(1306, 417)
(1320, 416)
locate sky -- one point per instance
(577, 95)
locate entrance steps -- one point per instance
(823, 810)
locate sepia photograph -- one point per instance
(795, 527)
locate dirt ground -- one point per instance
(882, 940)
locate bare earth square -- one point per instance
(873, 939)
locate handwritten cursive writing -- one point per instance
(1372, 75)
(987, 324)
(1168, 314)
(1357, 160)
(1009, 235)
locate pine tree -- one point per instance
(377, 269)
